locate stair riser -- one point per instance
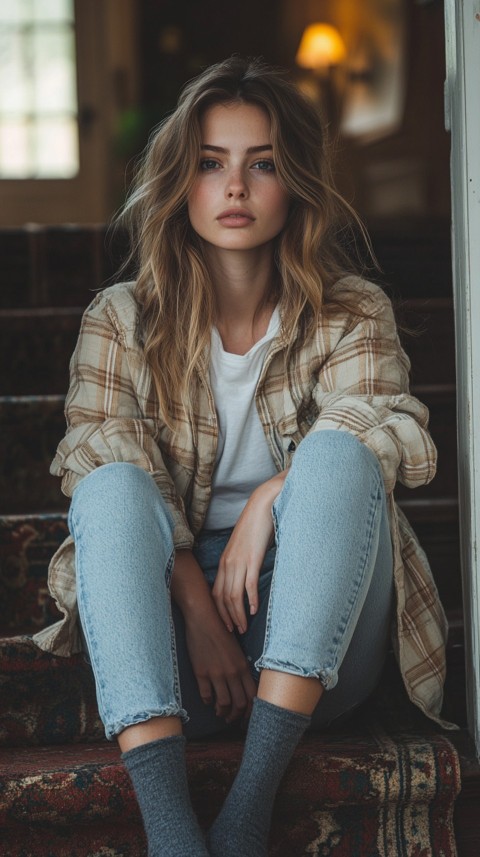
(31, 429)
(36, 346)
(110, 839)
(62, 266)
(430, 342)
(57, 266)
(35, 352)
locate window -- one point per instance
(38, 96)
(68, 71)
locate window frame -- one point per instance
(462, 32)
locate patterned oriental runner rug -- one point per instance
(382, 785)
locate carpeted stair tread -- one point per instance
(45, 699)
(388, 775)
(27, 543)
(360, 791)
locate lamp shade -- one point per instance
(321, 46)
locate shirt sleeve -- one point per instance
(363, 388)
(105, 422)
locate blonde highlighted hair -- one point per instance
(173, 288)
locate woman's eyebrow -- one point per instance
(251, 149)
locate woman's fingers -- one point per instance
(205, 690)
(234, 595)
(234, 695)
(251, 587)
(223, 703)
(234, 579)
(218, 597)
(242, 559)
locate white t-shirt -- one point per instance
(244, 459)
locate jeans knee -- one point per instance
(106, 479)
(117, 488)
(337, 453)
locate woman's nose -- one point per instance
(236, 187)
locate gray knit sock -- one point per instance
(241, 829)
(159, 777)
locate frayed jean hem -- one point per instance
(142, 717)
(328, 677)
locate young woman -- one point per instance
(237, 419)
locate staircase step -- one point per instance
(435, 521)
(62, 265)
(46, 700)
(36, 345)
(67, 800)
(440, 400)
(415, 256)
(345, 792)
(30, 429)
(57, 265)
(430, 342)
(27, 543)
(35, 349)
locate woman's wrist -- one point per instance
(189, 589)
(269, 491)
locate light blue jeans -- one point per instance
(326, 587)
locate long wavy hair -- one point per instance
(314, 250)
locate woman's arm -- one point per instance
(363, 388)
(242, 559)
(220, 667)
(105, 422)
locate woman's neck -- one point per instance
(243, 287)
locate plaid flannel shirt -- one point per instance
(351, 376)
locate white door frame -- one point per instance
(462, 103)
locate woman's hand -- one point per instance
(220, 667)
(242, 559)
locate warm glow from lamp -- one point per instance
(321, 46)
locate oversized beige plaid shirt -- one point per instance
(352, 376)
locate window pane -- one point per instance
(56, 148)
(38, 95)
(14, 149)
(52, 10)
(15, 11)
(15, 72)
(54, 70)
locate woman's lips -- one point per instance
(232, 218)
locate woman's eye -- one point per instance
(208, 164)
(265, 166)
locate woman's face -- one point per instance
(237, 202)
